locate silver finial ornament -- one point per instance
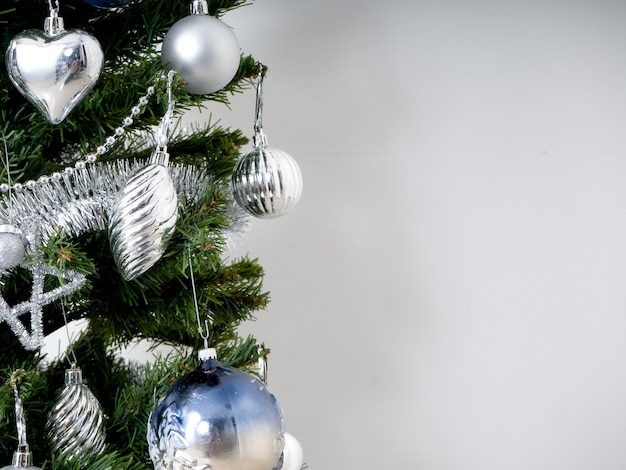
(75, 426)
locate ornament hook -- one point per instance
(259, 139)
(53, 24)
(54, 10)
(163, 131)
(16, 380)
(23, 457)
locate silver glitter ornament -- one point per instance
(12, 249)
(216, 418)
(75, 426)
(266, 182)
(142, 218)
(202, 49)
(54, 69)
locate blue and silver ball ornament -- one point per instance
(217, 418)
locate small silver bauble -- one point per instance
(142, 217)
(267, 182)
(216, 418)
(204, 51)
(12, 249)
(54, 69)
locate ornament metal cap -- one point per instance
(22, 458)
(206, 354)
(8, 228)
(199, 7)
(74, 376)
(53, 25)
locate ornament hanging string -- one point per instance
(90, 158)
(164, 129)
(69, 339)
(204, 334)
(7, 167)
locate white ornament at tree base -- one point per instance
(293, 455)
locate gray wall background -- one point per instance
(450, 292)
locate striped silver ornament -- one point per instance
(75, 425)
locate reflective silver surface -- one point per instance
(204, 51)
(216, 418)
(54, 73)
(141, 219)
(12, 249)
(75, 426)
(267, 182)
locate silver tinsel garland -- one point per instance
(79, 200)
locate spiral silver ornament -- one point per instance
(142, 217)
(75, 426)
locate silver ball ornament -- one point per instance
(12, 249)
(216, 418)
(204, 51)
(267, 182)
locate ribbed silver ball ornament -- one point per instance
(216, 418)
(266, 182)
(75, 425)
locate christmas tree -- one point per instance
(114, 214)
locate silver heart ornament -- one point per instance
(54, 72)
